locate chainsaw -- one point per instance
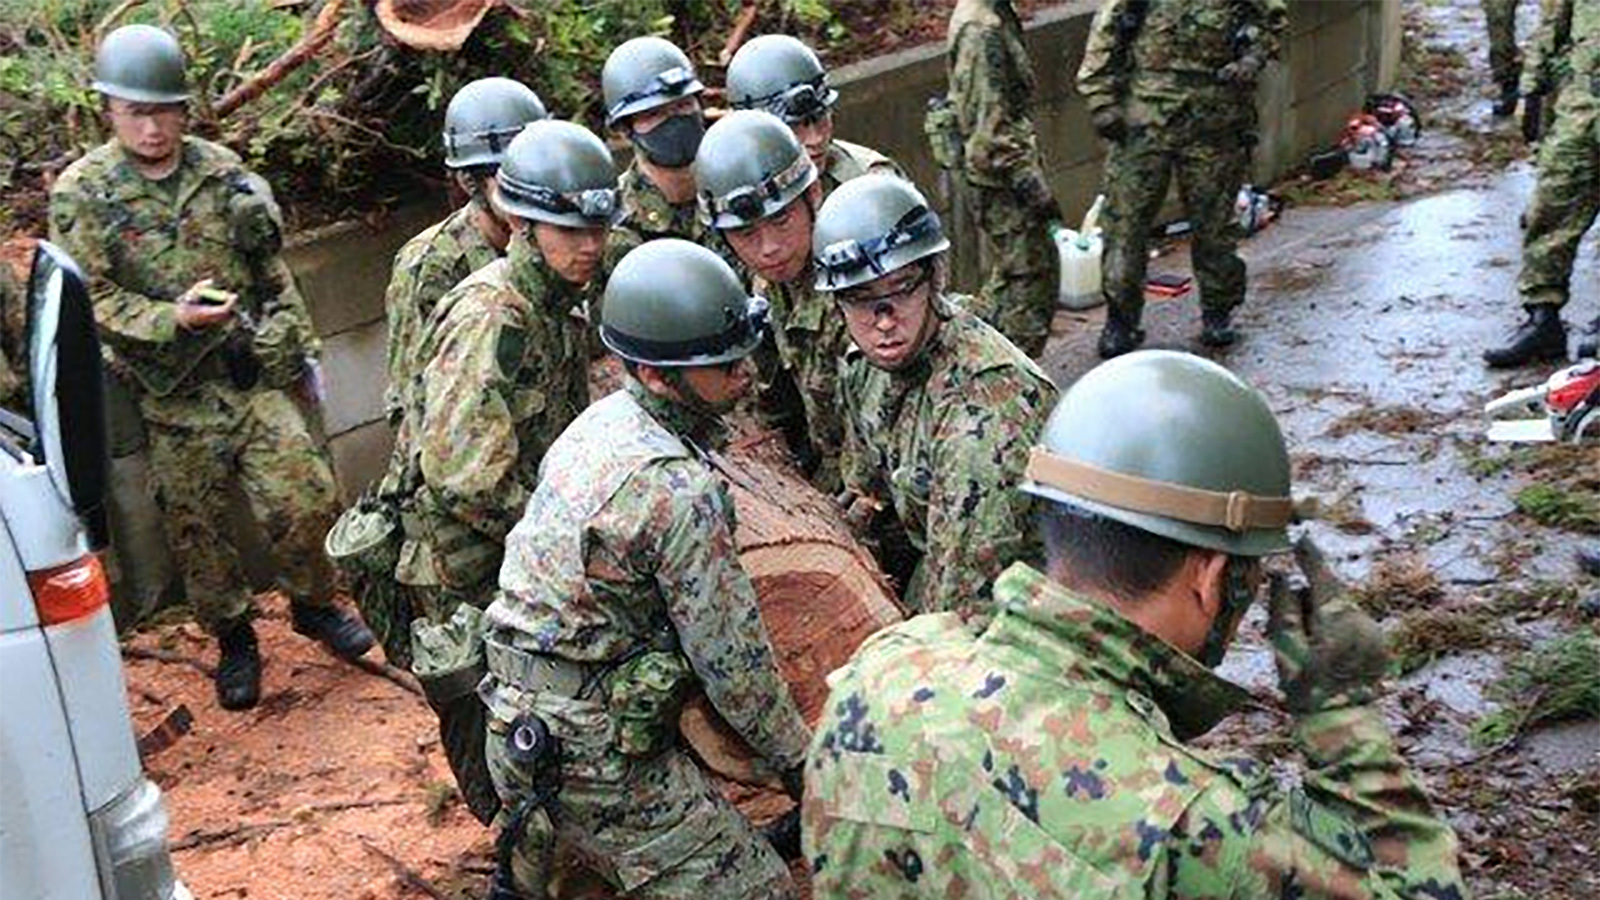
(1565, 408)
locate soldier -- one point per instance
(202, 319)
(479, 124)
(1048, 756)
(506, 356)
(1565, 199)
(991, 87)
(1505, 60)
(760, 191)
(653, 97)
(621, 591)
(1170, 86)
(783, 76)
(939, 407)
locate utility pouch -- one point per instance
(364, 544)
(944, 132)
(448, 660)
(463, 558)
(647, 694)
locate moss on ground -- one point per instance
(1558, 681)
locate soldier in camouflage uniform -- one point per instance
(940, 409)
(506, 356)
(622, 591)
(991, 87)
(783, 76)
(1505, 60)
(760, 191)
(1048, 756)
(1170, 85)
(202, 320)
(1566, 200)
(652, 97)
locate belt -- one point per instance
(538, 673)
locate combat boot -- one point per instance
(1506, 103)
(1589, 347)
(1540, 338)
(1119, 337)
(1216, 328)
(347, 636)
(238, 678)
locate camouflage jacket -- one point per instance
(425, 269)
(991, 87)
(810, 337)
(506, 373)
(1046, 758)
(1566, 47)
(944, 440)
(629, 534)
(1162, 71)
(847, 161)
(143, 243)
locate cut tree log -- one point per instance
(437, 25)
(821, 594)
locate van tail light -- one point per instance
(74, 591)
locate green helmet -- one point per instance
(780, 74)
(1171, 444)
(644, 73)
(674, 303)
(483, 117)
(749, 166)
(871, 226)
(560, 173)
(142, 64)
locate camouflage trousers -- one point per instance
(1505, 60)
(1018, 296)
(653, 828)
(1566, 199)
(1209, 175)
(260, 439)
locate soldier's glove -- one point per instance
(783, 833)
(1036, 193)
(1111, 125)
(1329, 653)
(1533, 118)
(794, 782)
(239, 358)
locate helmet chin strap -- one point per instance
(1236, 600)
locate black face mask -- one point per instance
(672, 143)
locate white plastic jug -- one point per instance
(1081, 251)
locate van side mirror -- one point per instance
(69, 408)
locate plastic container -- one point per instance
(1081, 251)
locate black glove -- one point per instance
(783, 833)
(794, 782)
(1111, 125)
(1329, 653)
(239, 357)
(1533, 117)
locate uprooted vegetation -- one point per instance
(1558, 681)
(1398, 583)
(1424, 635)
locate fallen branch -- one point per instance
(390, 673)
(248, 831)
(312, 43)
(406, 875)
(741, 27)
(173, 726)
(167, 656)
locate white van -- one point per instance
(78, 818)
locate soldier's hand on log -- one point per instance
(1329, 653)
(204, 306)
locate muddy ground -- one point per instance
(1370, 302)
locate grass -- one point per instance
(1558, 681)
(1424, 635)
(1399, 583)
(1560, 507)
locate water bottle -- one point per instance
(1081, 252)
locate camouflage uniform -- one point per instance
(1565, 54)
(991, 87)
(846, 161)
(1046, 758)
(425, 269)
(506, 373)
(629, 538)
(944, 441)
(1182, 116)
(809, 340)
(142, 243)
(1505, 60)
